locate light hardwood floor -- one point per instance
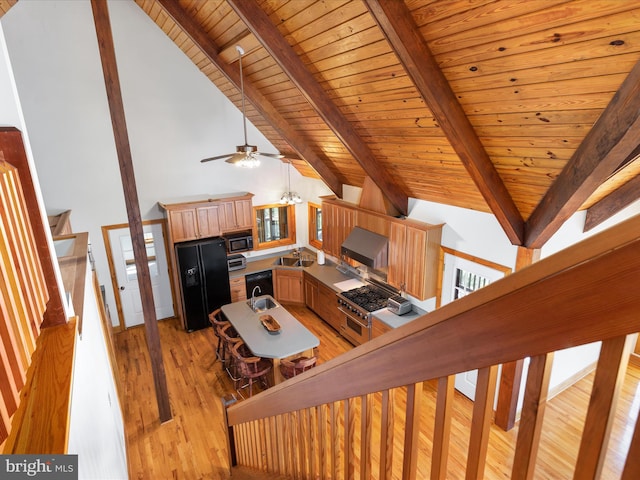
(192, 445)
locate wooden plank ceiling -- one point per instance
(494, 105)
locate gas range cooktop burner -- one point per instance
(368, 297)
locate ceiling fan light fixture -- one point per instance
(246, 155)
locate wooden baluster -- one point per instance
(335, 444)
(632, 465)
(280, 444)
(322, 440)
(533, 407)
(366, 407)
(303, 453)
(442, 427)
(232, 445)
(290, 453)
(612, 365)
(481, 422)
(386, 435)
(313, 443)
(411, 431)
(349, 439)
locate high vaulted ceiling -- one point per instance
(528, 109)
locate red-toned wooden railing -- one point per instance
(23, 293)
(37, 339)
(337, 420)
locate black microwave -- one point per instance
(239, 241)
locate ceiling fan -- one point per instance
(246, 155)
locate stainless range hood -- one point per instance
(369, 248)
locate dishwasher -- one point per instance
(264, 280)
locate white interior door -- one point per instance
(127, 277)
(461, 277)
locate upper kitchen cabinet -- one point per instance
(208, 217)
(236, 214)
(413, 257)
(338, 219)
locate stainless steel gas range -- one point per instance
(358, 305)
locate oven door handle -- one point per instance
(359, 321)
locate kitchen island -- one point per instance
(293, 338)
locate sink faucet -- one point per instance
(253, 296)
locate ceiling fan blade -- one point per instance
(236, 157)
(218, 157)
(272, 155)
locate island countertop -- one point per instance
(292, 339)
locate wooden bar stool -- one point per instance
(250, 368)
(216, 318)
(291, 368)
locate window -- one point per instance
(275, 225)
(315, 225)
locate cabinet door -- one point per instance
(289, 286)
(378, 328)
(415, 269)
(310, 292)
(208, 222)
(236, 215)
(238, 289)
(345, 221)
(328, 306)
(329, 233)
(244, 213)
(183, 225)
(397, 242)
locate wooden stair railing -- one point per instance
(308, 427)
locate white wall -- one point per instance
(96, 427)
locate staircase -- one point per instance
(337, 421)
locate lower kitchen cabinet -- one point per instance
(288, 285)
(322, 300)
(238, 289)
(327, 306)
(310, 292)
(378, 328)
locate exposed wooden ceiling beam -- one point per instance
(123, 150)
(612, 139)
(253, 95)
(612, 203)
(395, 20)
(270, 37)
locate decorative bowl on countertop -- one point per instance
(270, 324)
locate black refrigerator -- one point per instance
(204, 280)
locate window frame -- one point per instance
(313, 208)
(291, 227)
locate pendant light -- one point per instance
(289, 197)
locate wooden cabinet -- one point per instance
(322, 300)
(413, 257)
(310, 292)
(209, 217)
(378, 327)
(337, 222)
(288, 285)
(238, 289)
(374, 222)
(327, 306)
(236, 214)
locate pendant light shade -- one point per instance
(289, 197)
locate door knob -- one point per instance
(121, 288)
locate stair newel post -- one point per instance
(227, 401)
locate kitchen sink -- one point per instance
(286, 261)
(262, 303)
(305, 263)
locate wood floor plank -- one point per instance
(193, 444)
